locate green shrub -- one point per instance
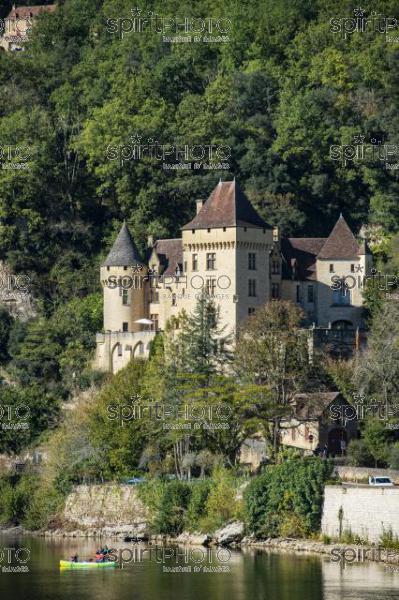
(196, 507)
(288, 497)
(6, 501)
(389, 540)
(358, 454)
(394, 456)
(221, 505)
(172, 509)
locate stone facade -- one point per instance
(240, 260)
(364, 511)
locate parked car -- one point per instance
(381, 481)
(135, 480)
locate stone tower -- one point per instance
(123, 277)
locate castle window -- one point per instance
(211, 261)
(154, 319)
(331, 268)
(154, 296)
(125, 297)
(209, 231)
(194, 266)
(275, 267)
(342, 297)
(107, 268)
(251, 261)
(125, 268)
(310, 293)
(185, 266)
(125, 326)
(173, 299)
(119, 349)
(251, 287)
(193, 231)
(211, 286)
(251, 311)
(275, 291)
(224, 228)
(245, 228)
(352, 268)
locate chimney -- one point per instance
(200, 204)
(150, 241)
(276, 234)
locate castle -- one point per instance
(242, 262)
(18, 23)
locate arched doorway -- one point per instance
(117, 360)
(138, 350)
(335, 436)
(342, 325)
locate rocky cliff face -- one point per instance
(104, 510)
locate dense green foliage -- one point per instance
(280, 92)
(287, 499)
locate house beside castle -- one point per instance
(18, 23)
(242, 262)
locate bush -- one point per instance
(6, 501)
(196, 507)
(172, 510)
(287, 498)
(221, 505)
(358, 454)
(394, 456)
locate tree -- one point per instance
(376, 372)
(272, 351)
(204, 348)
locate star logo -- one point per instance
(136, 268)
(359, 12)
(358, 268)
(358, 139)
(136, 12)
(135, 139)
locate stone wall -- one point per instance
(105, 509)
(366, 511)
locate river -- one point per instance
(215, 575)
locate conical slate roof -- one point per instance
(227, 206)
(341, 243)
(124, 252)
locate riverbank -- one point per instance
(229, 537)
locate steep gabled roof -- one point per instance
(170, 254)
(313, 405)
(341, 243)
(124, 252)
(24, 12)
(227, 206)
(300, 257)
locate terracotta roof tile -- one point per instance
(313, 405)
(24, 12)
(227, 206)
(300, 255)
(170, 253)
(341, 243)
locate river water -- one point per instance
(150, 574)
